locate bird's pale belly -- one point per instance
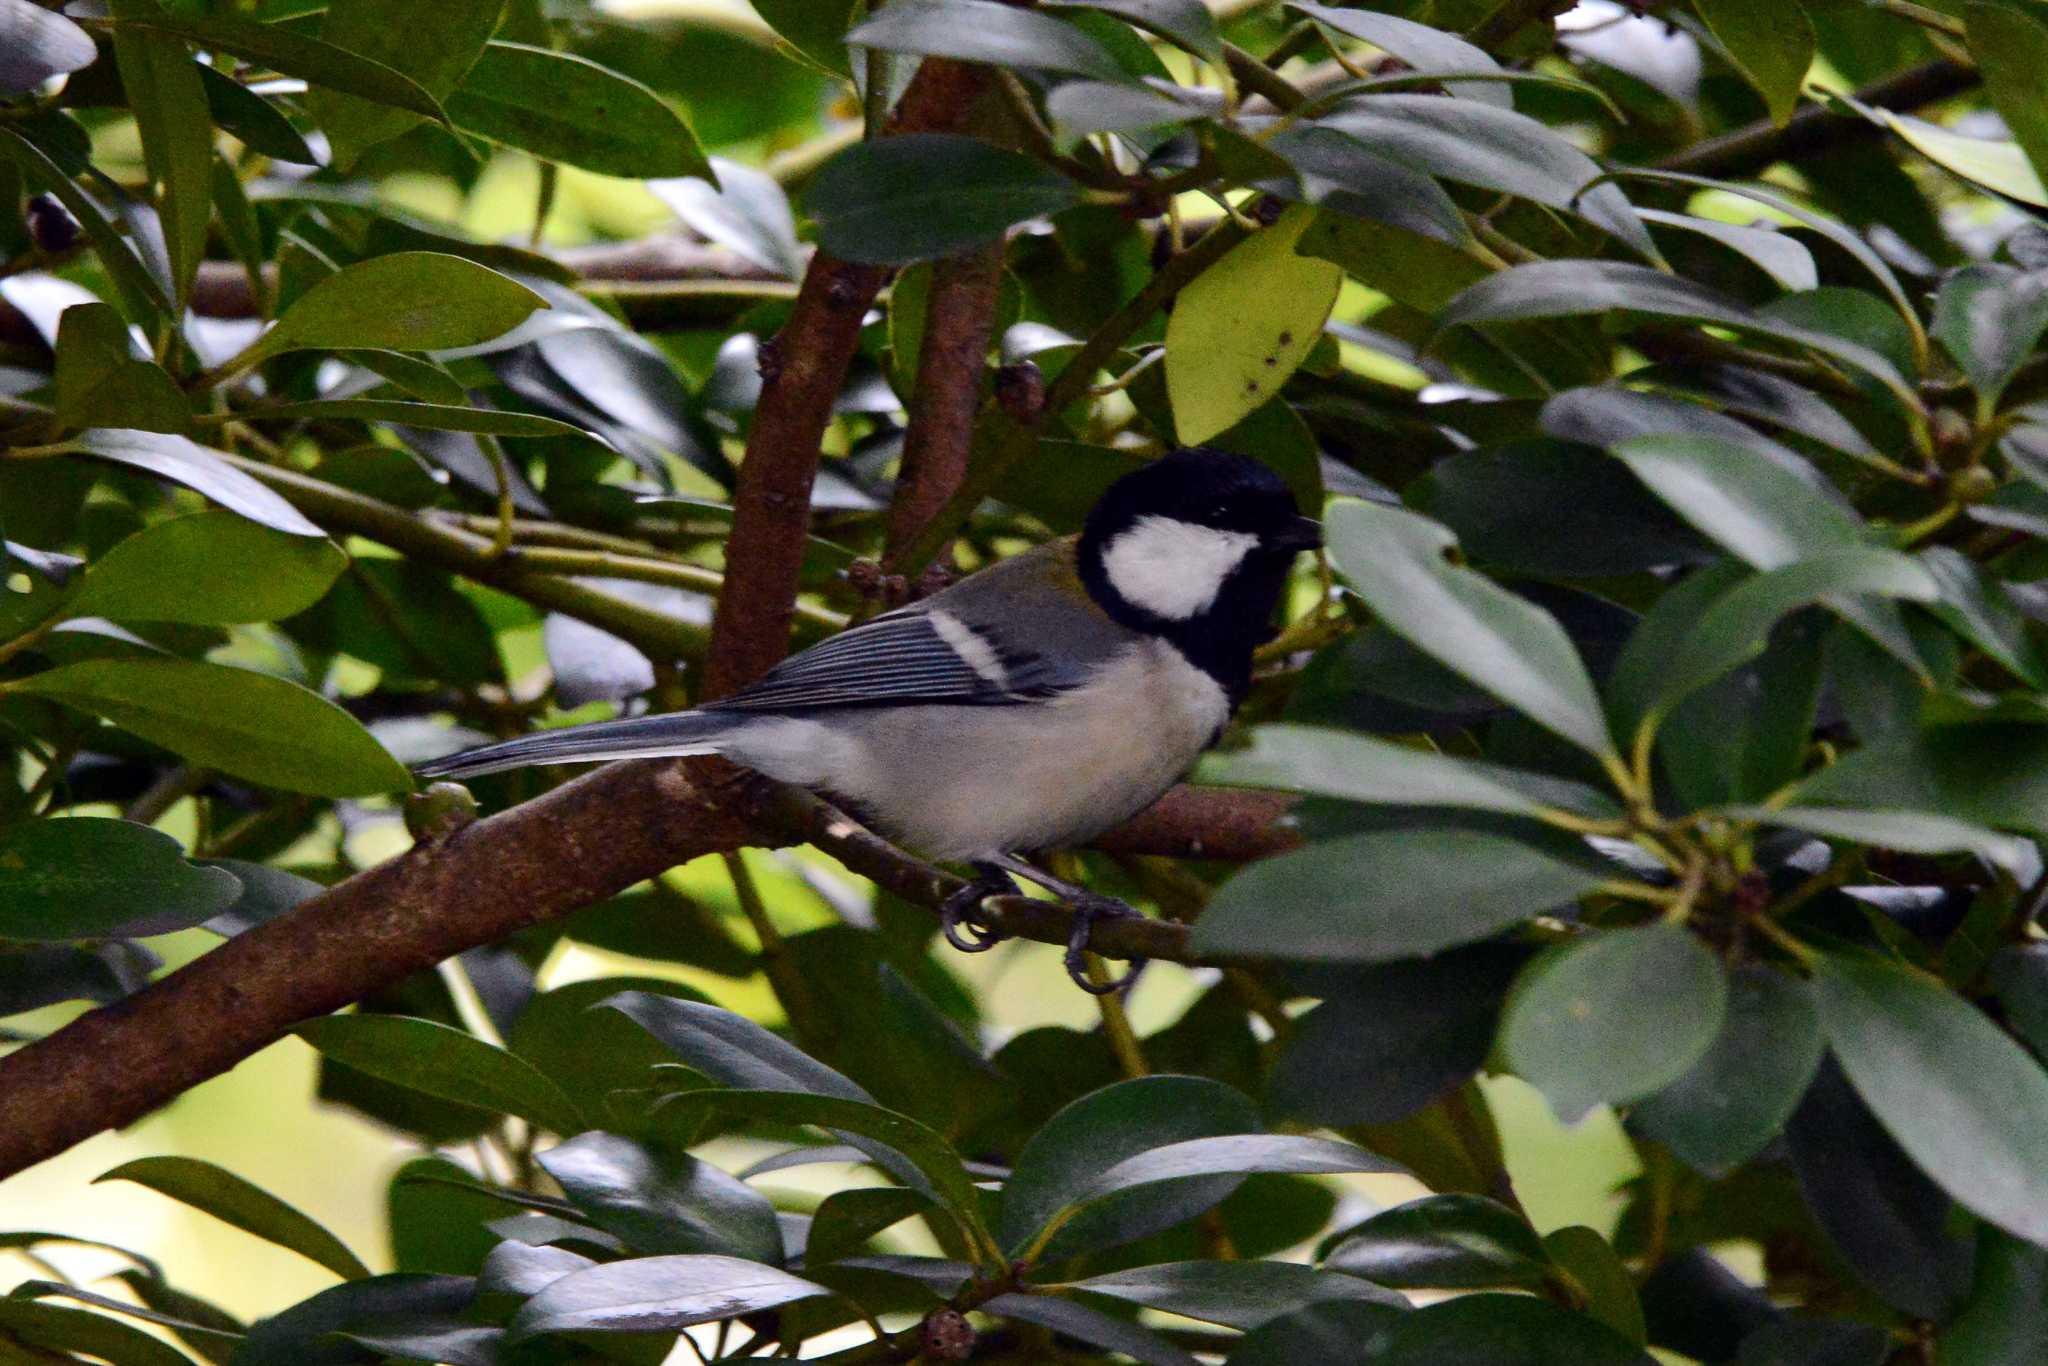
(961, 782)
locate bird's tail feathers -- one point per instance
(642, 737)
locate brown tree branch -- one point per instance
(959, 321)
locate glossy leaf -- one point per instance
(1234, 1294)
(815, 28)
(309, 1332)
(1504, 644)
(1992, 163)
(1443, 1242)
(163, 87)
(1991, 318)
(182, 462)
(1385, 895)
(985, 31)
(745, 211)
(236, 1202)
(432, 1058)
(211, 568)
(658, 1200)
(1915, 832)
(243, 723)
(845, 1220)
(1968, 1104)
(658, 1294)
(83, 877)
(142, 294)
(1614, 1017)
(433, 46)
(904, 199)
(1485, 1330)
(566, 108)
(1422, 47)
(1328, 1331)
(59, 1330)
(1748, 502)
(1242, 328)
(1091, 1326)
(285, 49)
(1740, 1093)
(407, 301)
(36, 44)
(1778, 254)
(100, 379)
(440, 417)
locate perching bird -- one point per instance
(1030, 706)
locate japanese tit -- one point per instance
(1030, 706)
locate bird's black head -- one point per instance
(1196, 547)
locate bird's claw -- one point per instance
(960, 917)
(1087, 911)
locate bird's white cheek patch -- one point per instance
(1173, 569)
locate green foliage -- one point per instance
(1666, 720)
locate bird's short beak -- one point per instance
(1303, 533)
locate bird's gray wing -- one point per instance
(979, 643)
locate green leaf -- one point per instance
(36, 44)
(815, 28)
(2019, 974)
(1613, 1017)
(1779, 255)
(100, 379)
(142, 296)
(1234, 1154)
(658, 1294)
(1604, 1279)
(385, 1305)
(1995, 773)
(1743, 499)
(1185, 23)
(566, 108)
(988, 32)
(1504, 644)
(1495, 149)
(1771, 44)
(746, 211)
(2005, 1319)
(292, 53)
(927, 1151)
(407, 301)
(1996, 165)
(254, 120)
(439, 1061)
(1978, 607)
(1737, 1097)
(1235, 1294)
(1360, 768)
(1065, 1158)
(1991, 318)
(1327, 1331)
(2010, 44)
(234, 1201)
(434, 45)
(662, 1200)
(845, 1220)
(1491, 1329)
(901, 199)
(169, 102)
(245, 724)
(1385, 895)
(1968, 1104)
(1086, 1324)
(423, 379)
(57, 1330)
(81, 877)
(213, 568)
(439, 417)
(1913, 832)
(1244, 326)
(1423, 48)
(1442, 1242)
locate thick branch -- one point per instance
(959, 320)
(1819, 128)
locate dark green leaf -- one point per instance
(1915, 832)
(433, 46)
(903, 199)
(215, 1339)
(745, 211)
(200, 469)
(846, 1220)
(1604, 1279)
(1423, 48)
(2010, 44)
(100, 379)
(1778, 254)
(1771, 44)
(1067, 1156)
(1186, 23)
(1991, 318)
(985, 31)
(407, 301)
(1966, 1102)
(59, 1330)
(1815, 1342)
(236, 1202)
(423, 379)
(1990, 773)
(1489, 1330)
(142, 296)
(1443, 1242)
(253, 119)
(440, 417)
(1087, 1325)
(2019, 973)
(84, 876)
(432, 1058)
(1360, 768)
(516, 1268)
(309, 1333)
(567, 108)
(651, 1294)
(2005, 1319)
(1386, 895)
(1614, 1017)
(1503, 643)
(243, 723)
(169, 101)
(815, 28)
(287, 50)
(1234, 1294)
(1329, 1331)
(659, 1200)
(1739, 1094)
(212, 568)
(36, 44)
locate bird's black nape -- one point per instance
(1225, 492)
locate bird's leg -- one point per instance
(1088, 908)
(960, 914)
